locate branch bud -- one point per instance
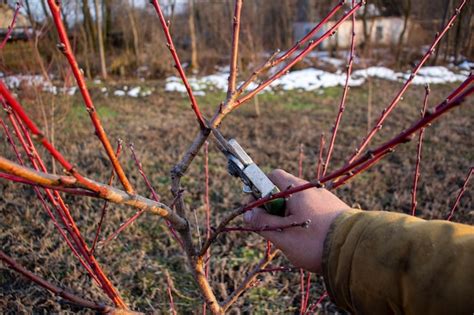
(61, 47)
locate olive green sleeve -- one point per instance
(377, 262)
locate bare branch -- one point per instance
(65, 47)
(418, 155)
(235, 48)
(342, 104)
(461, 192)
(178, 65)
(12, 25)
(54, 289)
(104, 207)
(106, 192)
(249, 279)
(398, 97)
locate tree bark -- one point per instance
(133, 26)
(192, 33)
(100, 40)
(406, 16)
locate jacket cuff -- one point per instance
(331, 256)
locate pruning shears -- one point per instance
(239, 164)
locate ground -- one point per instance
(162, 126)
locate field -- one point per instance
(161, 127)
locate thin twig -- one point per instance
(398, 97)
(277, 269)
(302, 291)
(374, 155)
(207, 205)
(37, 191)
(321, 298)
(169, 285)
(12, 25)
(461, 192)
(320, 164)
(416, 177)
(142, 173)
(38, 135)
(104, 207)
(54, 289)
(109, 193)
(155, 196)
(308, 285)
(65, 47)
(300, 160)
(342, 104)
(278, 228)
(296, 59)
(177, 62)
(249, 279)
(274, 59)
(235, 48)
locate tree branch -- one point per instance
(106, 192)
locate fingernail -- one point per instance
(248, 216)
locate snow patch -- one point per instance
(311, 79)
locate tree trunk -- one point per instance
(88, 24)
(445, 16)
(406, 15)
(365, 29)
(192, 33)
(100, 40)
(133, 26)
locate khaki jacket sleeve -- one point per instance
(378, 262)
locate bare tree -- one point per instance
(100, 39)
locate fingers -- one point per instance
(258, 218)
(283, 180)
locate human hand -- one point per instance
(302, 246)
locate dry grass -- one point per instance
(161, 127)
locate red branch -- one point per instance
(461, 192)
(278, 228)
(87, 260)
(104, 207)
(405, 86)
(373, 155)
(321, 298)
(51, 287)
(277, 269)
(122, 227)
(302, 290)
(309, 35)
(11, 26)
(155, 196)
(418, 155)
(178, 65)
(308, 285)
(300, 160)
(342, 104)
(300, 56)
(235, 48)
(169, 285)
(320, 164)
(37, 134)
(31, 152)
(65, 47)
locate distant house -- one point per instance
(383, 30)
(22, 27)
